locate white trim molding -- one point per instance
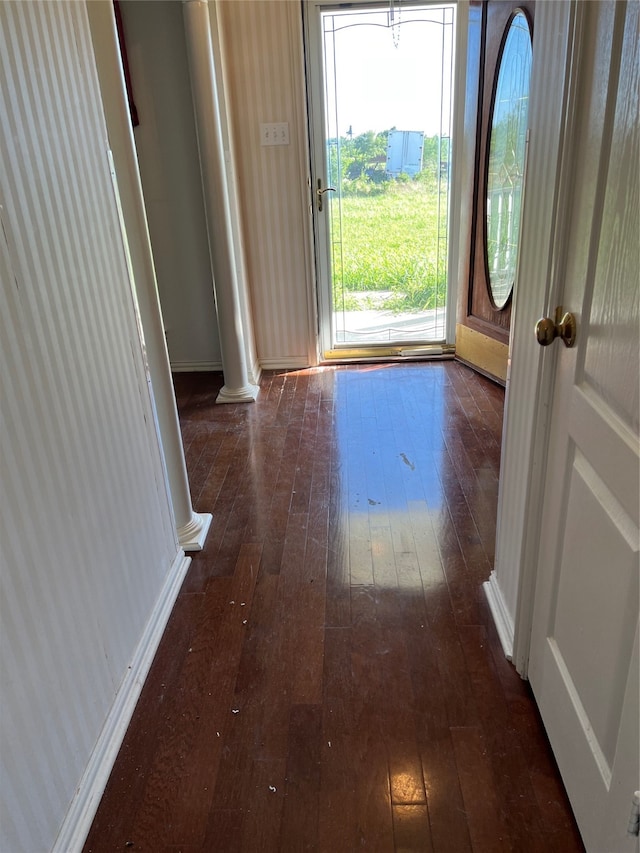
(255, 372)
(501, 615)
(285, 363)
(196, 367)
(84, 805)
(531, 370)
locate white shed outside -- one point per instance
(404, 152)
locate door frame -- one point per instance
(460, 152)
(539, 287)
(482, 331)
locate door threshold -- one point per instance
(400, 352)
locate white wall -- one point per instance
(89, 557)
(169, 167)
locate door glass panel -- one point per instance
(505, 175)
(388, 76)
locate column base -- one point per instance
(246, 394)
(192, 535)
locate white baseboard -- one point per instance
(501, 615)
(256, 372)
(82, 810)
(195, 366)
(285, 363)
(212, 366)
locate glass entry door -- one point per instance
(381, 82)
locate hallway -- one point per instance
(330, 678)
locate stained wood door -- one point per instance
(482, 330)
(584, 653)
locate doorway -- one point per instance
(380, 82)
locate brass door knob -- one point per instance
(563, 327)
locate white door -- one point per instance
(584, 653)
(380, 89)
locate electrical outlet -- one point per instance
(274, 133)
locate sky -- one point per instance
(387, 76)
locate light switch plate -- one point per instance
(274, 133)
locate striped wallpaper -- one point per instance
(264, 82)
(86, 530)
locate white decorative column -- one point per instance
(191, 527)
(197, 24)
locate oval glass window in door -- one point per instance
(505, 168)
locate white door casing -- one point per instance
(316, 118)
(583, 664)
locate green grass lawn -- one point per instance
(390, 243)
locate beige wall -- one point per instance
(263, 68)
(264, 81)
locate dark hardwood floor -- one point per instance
(330, 678)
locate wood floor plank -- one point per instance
(224, 831)
(411, 830)
(448, 819)
(336, 820)
(204, 706)
(299, 827)
(263, 817)
(331, 678)
(485, 814)
(187, 729)
(511, 772)
(115, 826)
(338, 718)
